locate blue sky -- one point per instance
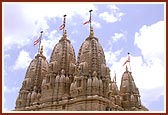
(138, 28)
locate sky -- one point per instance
(137, 28)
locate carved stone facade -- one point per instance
(66, 85)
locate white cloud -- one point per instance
(112, 56)
(22, 61)
(146, 76)
(18, 30)
(19, 41)
(30, 18)
(150, 39)
(148, 71)
(114, 39)
(52, 34)
(113, 16)
(108, 17)
(118, 36)
(96, 24)
(48, 44)
(113, 7)
(47, 9)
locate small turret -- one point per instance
(129, 92)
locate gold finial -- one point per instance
(91, 31)
(65, 33)
(41, 50)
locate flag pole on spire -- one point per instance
(64, 23)
(129, 61)
(40, 40)
(62, 27)
(90, 18)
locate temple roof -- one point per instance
(91, 52)
(37, 69)
(63, 56)
(128, 84)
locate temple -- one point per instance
(67, 84)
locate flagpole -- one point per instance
(40, 41)
(64, 23)
(90, 18)
(129, 62)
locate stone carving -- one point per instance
(28, 98)
(84, 66)
(103, 70)
(44, 82)
(63, 84)
(72, 68)
(34, 95)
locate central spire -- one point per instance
(63, 55)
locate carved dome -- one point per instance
(36, 71)
(128, 84)
(33, 79)
(91, 57)
(63, 57)
(113, 88)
